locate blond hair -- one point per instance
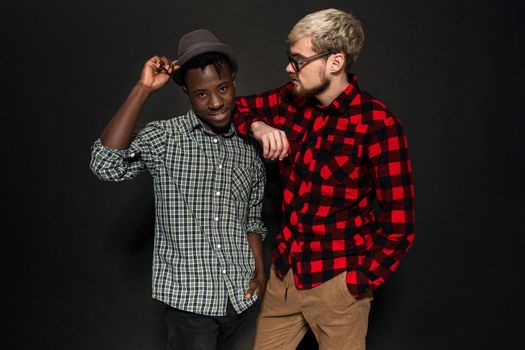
(331, 30)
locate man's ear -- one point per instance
(336, 62)
(185, 90)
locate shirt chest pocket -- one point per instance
(332, 159)
(241, 188)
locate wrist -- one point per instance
(257, 125)
(143, 89)
(258, 271)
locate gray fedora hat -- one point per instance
(198, 42)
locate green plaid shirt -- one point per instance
(208, 196)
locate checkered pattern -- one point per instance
(208, 196)
(343, 157)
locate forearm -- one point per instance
(256, 246)
(254, 118)
(118, 132)
(245, 115)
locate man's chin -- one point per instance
(300, 91)
(297, 91)
(220, 119)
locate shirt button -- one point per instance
(218, 246)
(223, 272)
(215, 140)
(132, 154)
(216, 218)
(217, 193)
(220, 166)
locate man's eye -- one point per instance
(200, 94)
(223, 89)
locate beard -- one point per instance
(300, 91)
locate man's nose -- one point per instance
(215, 102)
(289, 68)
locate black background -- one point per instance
(76, 252)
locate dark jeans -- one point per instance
(189, 331)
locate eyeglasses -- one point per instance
(297, 64)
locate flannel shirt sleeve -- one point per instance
(391, 175)
(255, 223)
(144, 153)
(260, 107)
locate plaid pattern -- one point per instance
(208, 196)
(343, 157)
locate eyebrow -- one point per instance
(199, 91)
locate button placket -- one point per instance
(218, 149)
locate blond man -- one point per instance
(340, 151)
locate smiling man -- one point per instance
(342, 152)
(209, 185)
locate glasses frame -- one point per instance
(298, 64)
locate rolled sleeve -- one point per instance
(144, 152)
(255, 223)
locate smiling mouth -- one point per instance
(220, 115)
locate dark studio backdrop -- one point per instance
(76, 252)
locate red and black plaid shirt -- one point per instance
(342, 158)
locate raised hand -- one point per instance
(156, 72)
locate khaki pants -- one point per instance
(336, 318)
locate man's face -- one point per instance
(212, 96)
(311, 78)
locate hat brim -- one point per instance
(204, 47)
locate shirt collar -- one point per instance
(193, 122)
(342, 102)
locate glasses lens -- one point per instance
(293, 62)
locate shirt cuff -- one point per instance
(257, 230)
(109, 153)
